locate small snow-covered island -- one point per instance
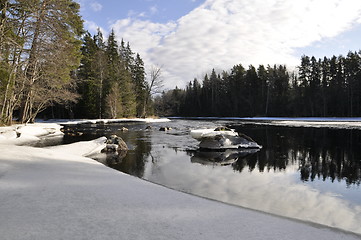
(222, 146)
(222, 138)
(59, 192)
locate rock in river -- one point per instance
(115, 143)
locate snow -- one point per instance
(85, 148)
(202, 133)
(105, 121)
(57, 193)
(25, 134)
(339, 123)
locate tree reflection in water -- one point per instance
(319, 153)
(131, 162)
(221, 158)
(333, 154)
(134, 162)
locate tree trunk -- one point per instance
(26, 103)
(267, 101)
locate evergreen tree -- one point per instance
(236, 91)
(112, 79)
(100, 69)
(282, 91)
(140, 86)
(315, 88)
(263, 91)
(305, 78)
(253, 84)
(352, 78)
(341, 93)
(325, 83)
(88, 88)
(214, 92)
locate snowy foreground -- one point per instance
(57, 193)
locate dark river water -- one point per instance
(310, 174)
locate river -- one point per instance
(304, 173)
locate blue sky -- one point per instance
(187, 38)
(104, 12)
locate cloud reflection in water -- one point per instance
(272, 192)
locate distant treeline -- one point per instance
(325, 87)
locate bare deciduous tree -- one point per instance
(155, 85)
(156, 80)
(113, 101)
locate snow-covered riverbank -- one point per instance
(106, 121)
(56, 193)
(24, 134)
(316, 122)
(338, 123)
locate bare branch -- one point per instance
(156, 80)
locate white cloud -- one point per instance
(96, 7)
(144, 36)
(93, 27)
(134, 14)
(153, 9)
(222, 33)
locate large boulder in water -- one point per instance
(223, 138)
(115, 144)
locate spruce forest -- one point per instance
(51, 68)
(328, 87)
(111, 80)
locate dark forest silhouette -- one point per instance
(328, 87)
